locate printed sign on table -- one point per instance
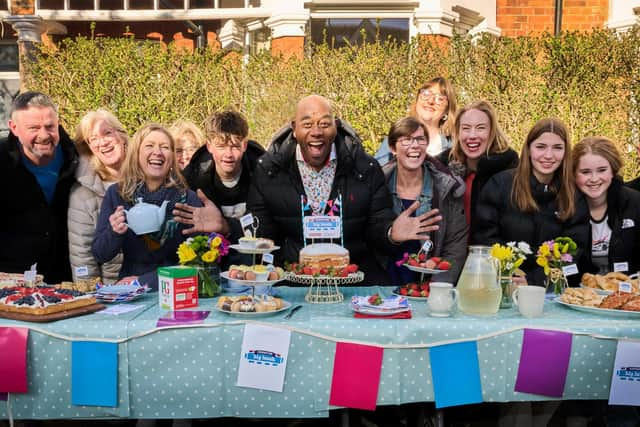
(625, 382)
(263, 360)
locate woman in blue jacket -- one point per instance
(150, 172)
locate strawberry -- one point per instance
(343, 272)
(352, 268)
(424, 286)
(413, 286)
(422, 257)
(404, 291)
(308, 270)
(413, 262)
(444, 265)
(430, 264)
(375, 299)
(415, 293)
(436, 259)
(324, 271)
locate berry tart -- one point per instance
(42, 300)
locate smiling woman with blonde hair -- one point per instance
(149, 174)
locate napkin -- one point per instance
(401, 315)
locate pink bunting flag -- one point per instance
(544, 362)
(13, 360)
(356, 376)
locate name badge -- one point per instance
(82, 271)
(625, 287)
(267, 258)
(569, 270)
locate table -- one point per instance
(190, 372)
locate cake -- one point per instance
(249, 304)
(42, 300)
(255, 243)
(17, 279)
(324, 255)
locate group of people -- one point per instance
(443, 175)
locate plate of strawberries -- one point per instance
(414, 291)
(421, 264)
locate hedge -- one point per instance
(590, 80)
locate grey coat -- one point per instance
(451, 238)
(84, 207)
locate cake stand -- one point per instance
(324, 289)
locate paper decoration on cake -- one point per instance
(13, 359)
(544, 361)
(456, 374)
(94, 373)
(356, 376)
(327, 226)
(625, 381)
(263, 359)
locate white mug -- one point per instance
(442, 297)
(529, 300)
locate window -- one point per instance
(340, 31)
(9, 57)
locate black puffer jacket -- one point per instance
(499, 221)
(200, 173)
(274, 197)
(623, 210)
(488, 166)
(32, 230)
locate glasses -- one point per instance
(427, 95)
(408, 141)
(108, 135)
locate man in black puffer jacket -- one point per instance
(322, 157)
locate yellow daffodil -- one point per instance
(518, 263)
(186, 253)
(544, 250)
(556, 251)
(216, 242)
(210, 255)
(501, 253)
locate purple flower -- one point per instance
(566, 258)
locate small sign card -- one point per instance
(569, 270)
(625, 287)
(620, 266)
(625, 381)
(267, 258)
(30, 274)
(263, 360)
(322, 227)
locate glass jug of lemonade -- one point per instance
(478, 289)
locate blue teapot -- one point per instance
(144, 218)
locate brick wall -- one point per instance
(288, 46)
(524, 17)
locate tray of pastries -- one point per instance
(606, 284)
(251, 306)
(617, 304)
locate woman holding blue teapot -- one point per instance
(150, 177)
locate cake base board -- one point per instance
(51, 317)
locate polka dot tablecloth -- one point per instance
(191, 372)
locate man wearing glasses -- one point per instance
(222, 169)
(37, 166)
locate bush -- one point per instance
(590, 80)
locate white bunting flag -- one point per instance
(263, 360)
(625, 381)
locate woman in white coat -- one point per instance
(101, 141)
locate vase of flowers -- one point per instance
(508, 258)
(204, 252)
(552, 256)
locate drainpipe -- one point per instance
(198, 30)
(557, 24)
